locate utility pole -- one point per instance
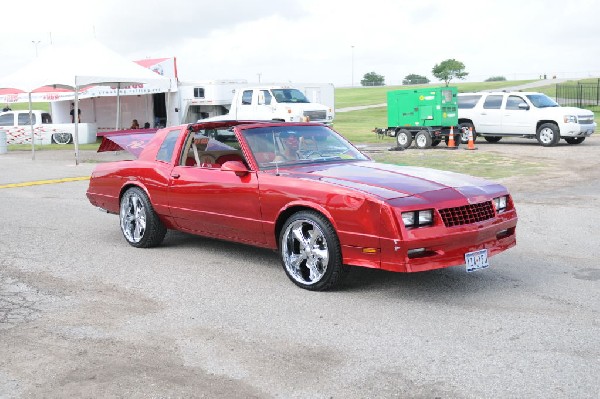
(259, 76)
(352, 66)
(35, 43)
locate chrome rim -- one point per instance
(305, 252)
(546, 135)
(133, 218)
(62, 138)
(402, 138)
(464, 134)
(421, 140)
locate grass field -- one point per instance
(357, 126)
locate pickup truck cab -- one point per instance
(275, 103)
(522, 114)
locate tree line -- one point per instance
(445, 71)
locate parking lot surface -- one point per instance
(83, 314)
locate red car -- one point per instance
(303, 190)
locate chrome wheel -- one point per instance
(305, 252)
(61, 138)
(133, 217)
(546, 135)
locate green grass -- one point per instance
(25, 106)
(50, 147)
(482, 164)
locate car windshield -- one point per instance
(542, 101)
(289, 96)
(278, 146)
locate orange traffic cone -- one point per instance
(471, 144)
(451, 142)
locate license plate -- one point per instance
(476, 260)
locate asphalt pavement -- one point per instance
(83, 314)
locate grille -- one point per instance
(467, 214)
(316, 115)
(585, 120)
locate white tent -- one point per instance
(76, 68)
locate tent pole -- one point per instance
(118, 106)
(76, 120)
(31, 126)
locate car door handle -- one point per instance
(175, 175)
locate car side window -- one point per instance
(247, 97)
(165, 153)
(492, 102)
(23, 119)
(468, 102)
(7, 120)
(513, 102)
(46, 118)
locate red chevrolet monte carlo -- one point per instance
(303, 190)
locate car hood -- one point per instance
(566, 111)
(392, 181)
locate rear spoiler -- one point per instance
(133, 143)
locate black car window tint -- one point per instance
(493, 102)
(165, 153)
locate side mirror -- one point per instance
(235, 166)
(523, 106)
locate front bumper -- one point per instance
(577, 130)
(449, 248)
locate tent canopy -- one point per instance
(89, 65)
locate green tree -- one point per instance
(448, 70)
(414, 79)
(496, 79)
(372, 79)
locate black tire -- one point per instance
(319, 267)
(492, 139)
(62, 138)
(435, 142)
(463, 132)
(140, 225)
(574, 140)
(548, 134)
(423, 139)
(403, 138)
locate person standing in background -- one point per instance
(72, 113)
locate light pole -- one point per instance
(259, 76)
(352, 66)
(35, 43)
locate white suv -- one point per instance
(522, 114)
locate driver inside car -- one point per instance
(290, 144)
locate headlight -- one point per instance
(570, 119)
(418, 218)
(500, 203)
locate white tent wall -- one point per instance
(103, 111)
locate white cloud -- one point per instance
(312, 40)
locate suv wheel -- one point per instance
(463, 129)
(548, 134)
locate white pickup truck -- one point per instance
(522, 114)
(277, 103)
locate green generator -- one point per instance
(424, 115)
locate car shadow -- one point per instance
(430, 286)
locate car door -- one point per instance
(218, 202)
(490, 118)
(516, 116)
(245, 107)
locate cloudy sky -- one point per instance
(328, 41)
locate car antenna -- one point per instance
(275, 152)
